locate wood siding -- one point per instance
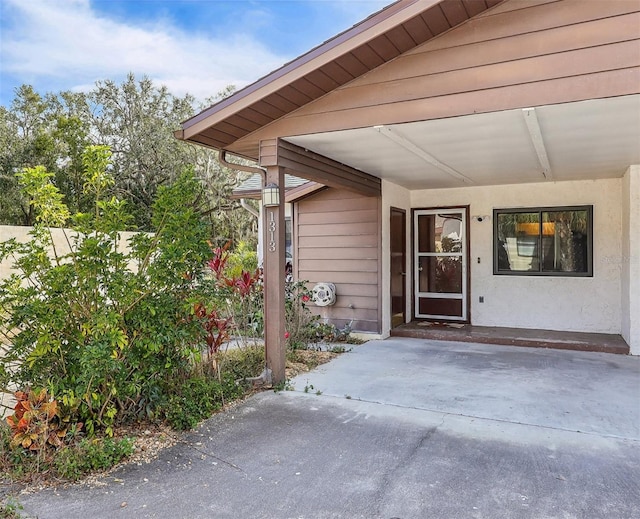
(379, 38)
(517, 55)
(337, 240)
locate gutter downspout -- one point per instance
(222, 158)
(253, 212)
(245, 205)
(265, 378)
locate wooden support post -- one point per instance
(274, 278)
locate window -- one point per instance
(543, 241)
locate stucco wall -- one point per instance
(630, 259)
(555, 303)
(21, 234)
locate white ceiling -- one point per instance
(584, 140)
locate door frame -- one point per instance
(402, 212)
(467, 257)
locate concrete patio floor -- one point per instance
(401, 428)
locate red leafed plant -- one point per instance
(36, 421)
(244, 282)
(219, 260)
(216, 327)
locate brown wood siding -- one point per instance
(337, 240)
(381, 37)
(519, 54)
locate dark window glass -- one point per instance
(543, 241)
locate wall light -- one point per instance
(271, 195)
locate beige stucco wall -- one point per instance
(630, 259)
(555, 303)
(61, 239)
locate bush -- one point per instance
(235, 296)
(197, 398)
(76, 458)
(88, 455)
(242, 363)
(300, 323)
(36, 423)
(103, 330)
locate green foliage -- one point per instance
(236, 293)
(197, 398)
(89, 455)
(300, 323)
(242, 259)
(10, 509)
(76, 458)
(136, 119)
(101, 328)
(242, 363)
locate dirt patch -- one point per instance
(303, 361)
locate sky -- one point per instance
(191, 46)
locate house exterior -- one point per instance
(481, 159)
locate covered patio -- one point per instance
(433, 122)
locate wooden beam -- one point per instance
(303, 163)
(274, 278)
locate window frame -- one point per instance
(540, 211)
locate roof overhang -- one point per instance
(401, 26)
(491, 138)
(583, 140)
(295, 188)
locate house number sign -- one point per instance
(272, 232)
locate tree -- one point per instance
(25, 141)
(136, 119)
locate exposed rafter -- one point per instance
(303, 163)
(533, 126)
(410, 146)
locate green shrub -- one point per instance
(103, 329)
(198, 398)
(300, 323)
(235, 291)
(242, 363)
(74, 461)
(243, 258)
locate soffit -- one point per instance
(583, 140)
(401, 26)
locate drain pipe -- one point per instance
(245, 205)
(265, 378)
(222, 158)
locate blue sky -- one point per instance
(194, 46)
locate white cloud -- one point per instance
(67, 42)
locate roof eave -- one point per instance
(344, 42)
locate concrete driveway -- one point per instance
(402, 428)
